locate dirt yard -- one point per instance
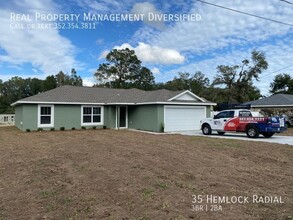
(108, 174)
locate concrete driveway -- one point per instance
(242, 136)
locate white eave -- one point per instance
(115, 103)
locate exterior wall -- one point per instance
(30, 117)
(7, 118)
(110, 116)
(143, 117)
(209, 109)
(18, 116)
(26, 117)
(68, 116)
(147, 117)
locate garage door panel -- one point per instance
(183, 118)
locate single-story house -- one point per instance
(278, 101)
(77, 107)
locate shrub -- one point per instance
(28, 130)
(104, 127)
(162, 127)
(52, 129)
(83, 127)
(94, 127)
(62, 128)
(73, 128)
(40, 129)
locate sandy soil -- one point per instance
(108, 174)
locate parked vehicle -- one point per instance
(241, 120)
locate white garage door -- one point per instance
(183, 118)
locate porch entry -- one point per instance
(121, 117)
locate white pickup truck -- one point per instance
(241, 120)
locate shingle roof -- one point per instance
(274, 100)
(71, 94)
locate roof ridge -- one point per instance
(285, 96)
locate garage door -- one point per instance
(183, 118)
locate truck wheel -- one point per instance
(206, 129)
(268, 134)
(221, 133)
(252, 132)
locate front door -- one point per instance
(122, 111)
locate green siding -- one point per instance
(208, 111)
(160, 117)
(18, 116)
(147, 117)
(143, 117)
(110, 116)
(29, 117)
(68, 116)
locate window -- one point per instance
(230, 114)
(225, 114)
(245, 114)
(46, 116)
(91, 115)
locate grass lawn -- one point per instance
(108, 174)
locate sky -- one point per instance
(42, 37)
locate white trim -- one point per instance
(63, 103)
(52, 117)
(115, 103)
(179, 103)
(92, 106)
(188, 92)
(116, 117)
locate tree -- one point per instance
(65, 79)
(145, 80)
(185, 81)
(12, 90)
(74, 79)
(61, 78)
(196, 83)
(283, 83)
(238, 79)
(182, 82)
(17, 88)
(123, 70)
(49, 83)
(199, 83)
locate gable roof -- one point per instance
(187, 93)
(277, 100)
(92, 95)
